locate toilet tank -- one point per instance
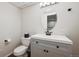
(25, 41)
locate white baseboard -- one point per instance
(12, 52)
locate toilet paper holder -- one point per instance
(7, 41)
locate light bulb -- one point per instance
(41, 4)
(48, 3)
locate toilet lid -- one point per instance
(20, 49)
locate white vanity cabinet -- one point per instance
(41, 47)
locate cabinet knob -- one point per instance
(46, 51)
(57, 46)
(36, 42)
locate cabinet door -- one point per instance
(36, 50)
(54, 51)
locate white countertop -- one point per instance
(54, 38)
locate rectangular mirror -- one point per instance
(51, 21)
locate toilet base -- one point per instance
(12, 55)
(24, 55)
(27, 54)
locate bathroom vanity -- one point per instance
(50, 46)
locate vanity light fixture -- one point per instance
(45, 4)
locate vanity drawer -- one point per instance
(51, 43)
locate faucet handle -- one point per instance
(48, 32)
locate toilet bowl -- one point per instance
(21, 50)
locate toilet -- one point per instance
(21, 50)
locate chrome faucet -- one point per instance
(48, 32)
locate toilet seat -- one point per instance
(20, 50)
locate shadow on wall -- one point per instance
(68, 23)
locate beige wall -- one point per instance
(31, 19)
(10, 27)
(67, 22)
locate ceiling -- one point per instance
(23, 4)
